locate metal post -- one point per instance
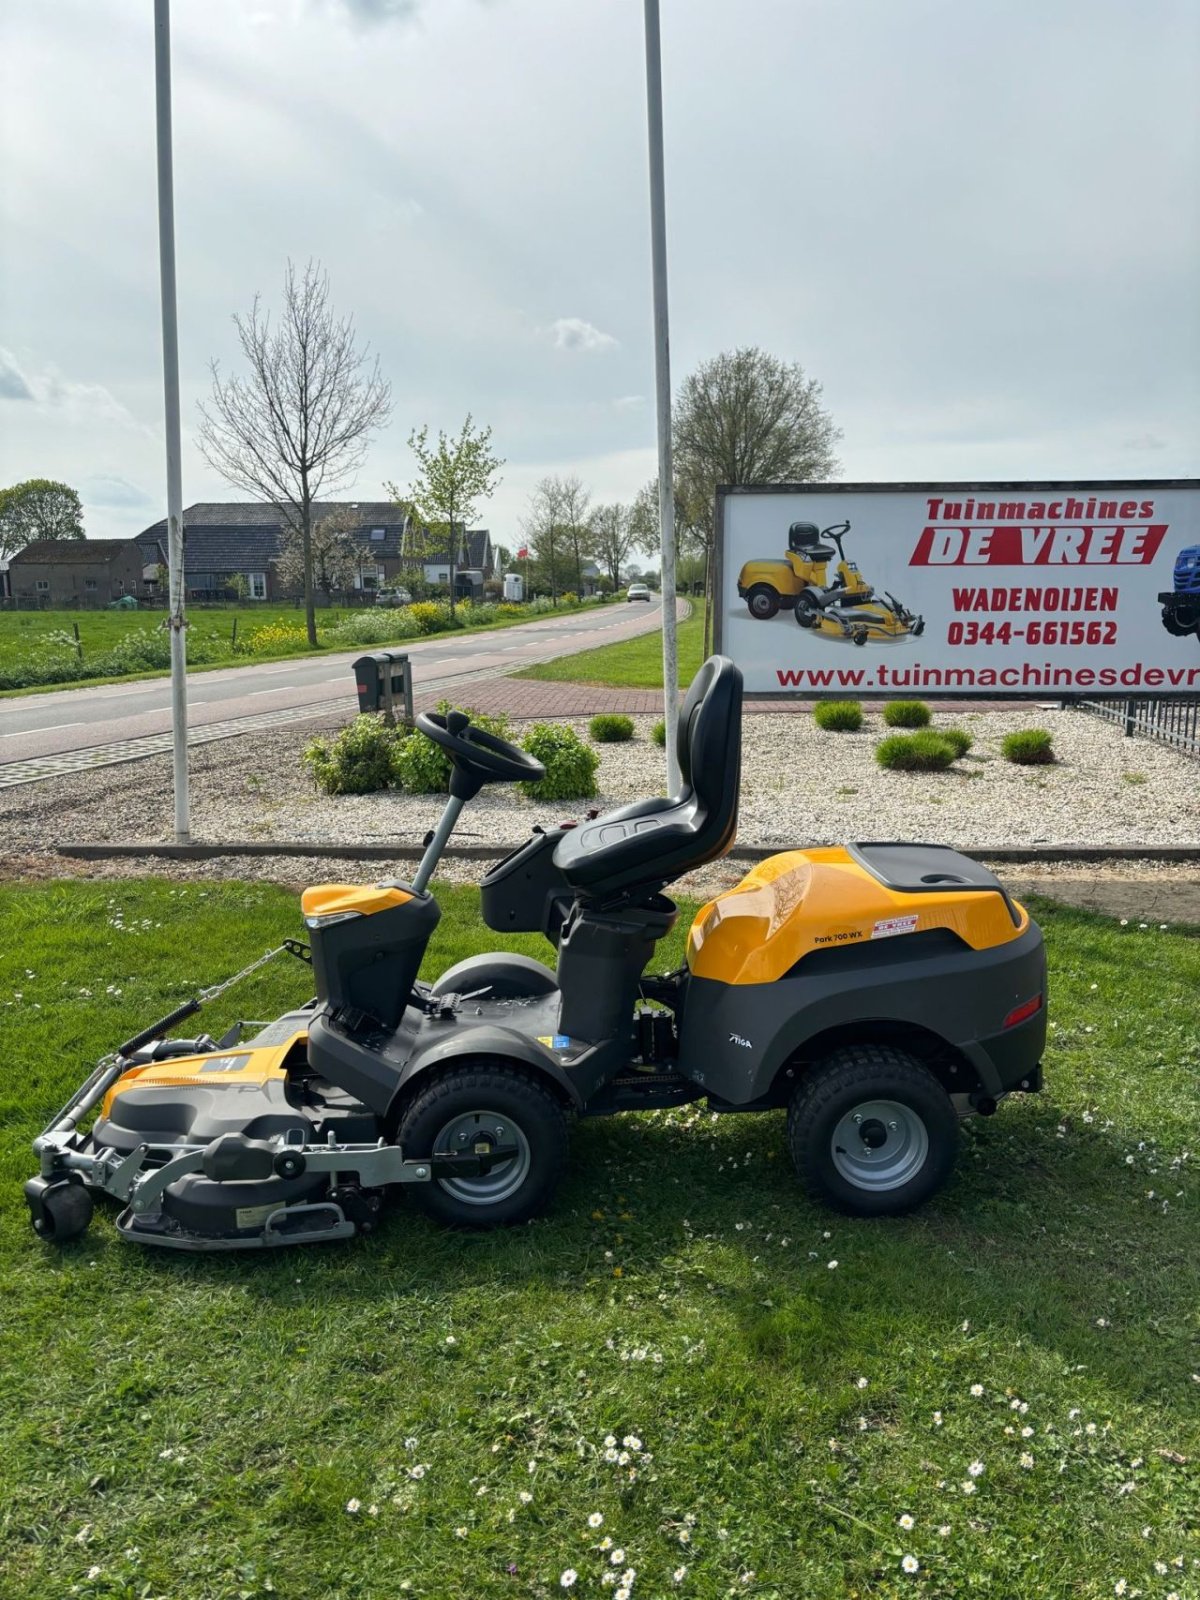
(176, 621)
(662, 387)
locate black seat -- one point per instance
(647, 844)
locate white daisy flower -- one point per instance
(596, 1519)
(524, 1497)
(910, 1564)
(353, 1506)
(617, 1557)
(906, 1522)
(567, 1581)
(679, 1575)
(977, 1390)
(976, 1469)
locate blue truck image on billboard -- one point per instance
(1181, 605)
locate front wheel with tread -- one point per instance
(66, 1210)
(462, 1109)
(871, 1131)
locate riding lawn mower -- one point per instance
(877, 992)
(846, 608)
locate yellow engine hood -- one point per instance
(804, 900)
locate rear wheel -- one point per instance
(476, 1107)
(763, 602)
(871, 1131)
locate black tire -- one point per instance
(763, 602)
(65, 1212)
(807, 609)
(487, 1094)
(826, 1102)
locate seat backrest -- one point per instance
(651, 842)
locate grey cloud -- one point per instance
(13, 384)
(573, 333)
(369, 12)
(106, 489)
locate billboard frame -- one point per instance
(975, 486)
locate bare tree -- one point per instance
(297, 426)
(574, 501)
(744, 417)
(336, 554)
(613, 537)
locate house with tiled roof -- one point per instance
(78, 573)
(228, 541)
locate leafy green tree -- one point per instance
(298, 425)
(39, 508)
(557, 533)
(613, 536)
(452, 477)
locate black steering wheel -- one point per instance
(479, 756)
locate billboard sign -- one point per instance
(1010, 589)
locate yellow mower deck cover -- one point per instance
(234, 1068)
(333, 899)
(804, 900)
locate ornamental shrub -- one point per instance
(610, 729)
(358, 760)
(915, 752)
(659, 732)
(570, 764)
(418, 766)
(959, 738)
(1028, 747)
(838, 716)
(906, 714)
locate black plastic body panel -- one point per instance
(370, 963)
(526, 892)
(736, 1037)
(928, 869)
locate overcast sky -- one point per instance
(976, 222)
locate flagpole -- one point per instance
(176, 620)
(662, 385)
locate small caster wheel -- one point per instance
(63, 1214)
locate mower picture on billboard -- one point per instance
(877, 993)
(1181, 605)
(844, 607)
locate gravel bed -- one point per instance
(799, 786)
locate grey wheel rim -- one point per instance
(471, 1131)
(879, 1145)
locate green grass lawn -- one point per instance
(631, 664)
(426, 1413)
(212, 627)
(100, 630)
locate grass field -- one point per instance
(632, 664)
(210, 633)
(100, 630)
(1016, 1369)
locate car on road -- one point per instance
(637, 591)
(393, 597)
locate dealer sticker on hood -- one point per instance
(888, 927)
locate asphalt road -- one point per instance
(66, 720)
